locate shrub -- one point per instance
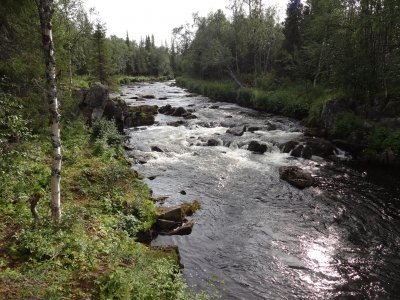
(347, 124)
(382, 138)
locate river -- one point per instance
(257, 237)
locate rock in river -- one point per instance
(296, 177)
(257, 147)
(238, 131)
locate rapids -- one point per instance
(257, 237)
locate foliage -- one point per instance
(347, 124)
(92, 252)
(382, 138)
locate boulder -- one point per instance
(156, 149)
(213, 142)
(162, 225)
(237, 131)
(271, 126)
(296, 152)
(253, 128)
(289, 146)
(190, 208)
(167, 109)
(307, 152)
(296, 177)
(148, 97)
(176, 123)
(257, 147)
(94, 101)
(179, 112)
(115, 111)
(174, 213)
(190, 117)
(144, 109)
(320, 147)
(185, 229)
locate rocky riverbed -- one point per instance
(256, 235)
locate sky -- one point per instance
(158, 17)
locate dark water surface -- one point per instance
(256, 237)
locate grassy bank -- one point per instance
(92, 253)
(132, 79)
(296, 100)
(304, 102)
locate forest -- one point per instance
(74, 232)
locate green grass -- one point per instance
(92, 253)
(124, 79)
(294, 100)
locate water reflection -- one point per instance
(321, 273)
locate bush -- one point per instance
(346, 125)
(382, 138)
(13, 126)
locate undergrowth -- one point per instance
(92, 254)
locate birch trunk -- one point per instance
(45, 14)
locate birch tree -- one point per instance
(45, 9)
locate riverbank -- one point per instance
(370, 135)
(92, 253)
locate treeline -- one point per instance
(352, 45)
(82, 48)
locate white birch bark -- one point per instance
(45, 14)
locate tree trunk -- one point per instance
(45, 14)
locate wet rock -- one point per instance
(289, 146)
(128, 148)
(162, 225)
(227, 143)
(185, 229)
(296, 152)
(163, 98)
(173, 213)
(176, 123)
(191, 105)
(320, 147)
(148, 97)
(182, 192)
(270, 126)
(134, 119)
(179, 112)
(353, 148)
(213, 142)
(237, 131)
(296, 177)
(207, 124)
(152, 177)
(190, 117)
(256, 147)
(229, 117)
(190, 95)
(167, 109)
(253, 128)
(190, 208)
(307, 152)
(134, 98)
(156, 149)
(214, 107)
